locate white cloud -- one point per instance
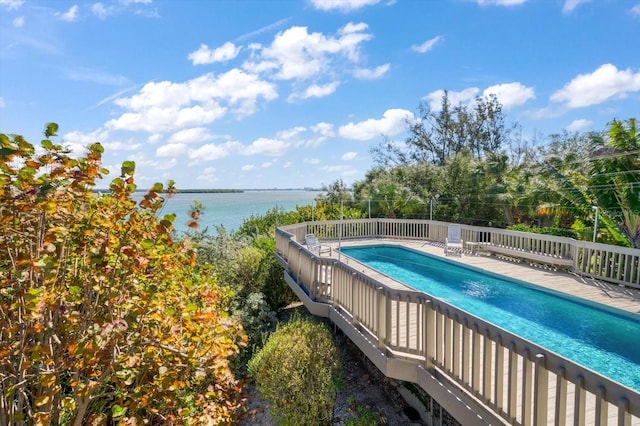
(570, 5)
(172, 150)
(371, 74)
(165, 106)
(325, 129)
(18, 22)
(204, 55)
(603, 84)
(579, 125)
(12, 4)
(208, 175)
(426, 46)
(635, 10)
(95, 76)
(78, 141)
(121, 146)
(297, 54)
(343, 5)
(501, 2)
(316, 91)
(345, 170)
(393, 122)
(290, 133)
(70, 15)
(192, 135)
(463, 97)
(128, 2)
(347, 156)
(248, 167)
(511, 94)
(210, 152)
(266, 146)
(99, 10)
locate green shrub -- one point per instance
(298, 370)
(558, 232)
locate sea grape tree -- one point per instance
(103, 317)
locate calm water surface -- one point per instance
(602, 340)
(231, 209)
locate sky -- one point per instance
(295, 93)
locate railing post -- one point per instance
(430, 333)
(513, 383)
(602, 406)
(382, 319)
(561, 397)
(541, 390)
(486, 374)
(355, 300)
(579, 405)
(624, 418)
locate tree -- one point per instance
(615, 177)
(104, 318)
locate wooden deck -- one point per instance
(607, 294)
(612, 295)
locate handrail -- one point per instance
(444, 339)
(614, 264)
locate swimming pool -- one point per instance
(602, 339)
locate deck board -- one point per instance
(582, 287)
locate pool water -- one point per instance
(604, 340)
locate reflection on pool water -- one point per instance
(602, 339)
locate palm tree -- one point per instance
(615, 177)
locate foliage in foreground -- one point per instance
(298, 370)
(104, 318)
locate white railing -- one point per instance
(615, 264)
(519, 382)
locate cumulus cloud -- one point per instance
(635, 10)
(605, 83)
(297, 54)
(166, 106)
(211, 151)
(347, 156)
(291, 133)
(500, 2)
(463, 97)
(316, 91)
(392, 123)
(192, 135)
(426, 46)
(570, 5)
(70, 15)
(121, 146)
(371, 74)
(579, 125)
(511, 94)
(342, 5)
(171, 150)
(18, 22)
(266, 146)
(325, 129)
(204, 55)
(248, 167)
(78, 141)
(99, 10)
(12, 4)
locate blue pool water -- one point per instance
(601, 339)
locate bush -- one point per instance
(104, 319)
(298, 370)
(558, 232)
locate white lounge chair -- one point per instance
(313, 244)
(453, 243)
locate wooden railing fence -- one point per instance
(519, 382)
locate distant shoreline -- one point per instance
(225, 191)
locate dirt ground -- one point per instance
(364, 387)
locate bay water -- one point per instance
(230, 209)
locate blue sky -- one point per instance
(290, 94)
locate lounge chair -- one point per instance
(313, 244)
(453, 243)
